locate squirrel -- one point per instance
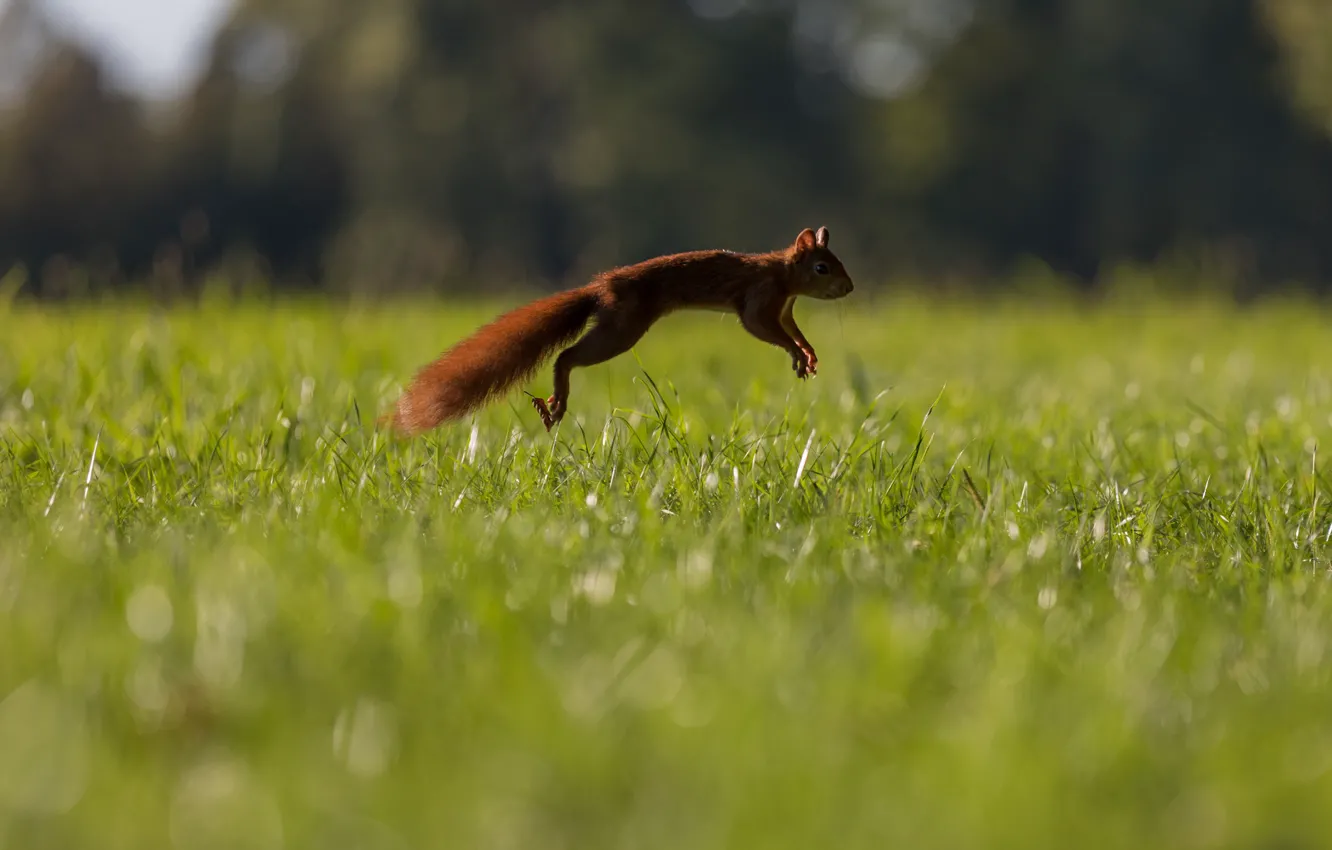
(624, 302)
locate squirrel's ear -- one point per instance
(806, 241)
(821, 238)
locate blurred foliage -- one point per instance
(1305, 29)
(445, 144)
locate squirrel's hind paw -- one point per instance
(550, 409)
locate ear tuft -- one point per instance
(806, 241)
(821, 238)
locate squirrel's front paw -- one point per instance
(805, 363)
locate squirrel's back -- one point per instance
(693, 278)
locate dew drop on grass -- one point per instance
(9, 581)
(654, 682)
(27, 399)
(43, 751)
(584, 690)
(1047, 598)
(219, 648)
(364, 737)
(1036, 548)
(149, 613)
(148, 690)
(220, 805)
(1250, 676)
(404, 586)
(689, 628)
(597, 586)
(696, 570)
(519, 596)
(1198, 819)
(559, 610)
(472, 444)
(691, 710)
(661, 594)
(1309, 648)
(1308, 757)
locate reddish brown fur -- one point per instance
(625, 302)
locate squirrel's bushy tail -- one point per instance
(486, 364)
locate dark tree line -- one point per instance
(451, 144)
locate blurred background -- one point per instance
(455, 145)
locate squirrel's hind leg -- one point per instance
(606, 340)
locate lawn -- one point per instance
(1005, 574)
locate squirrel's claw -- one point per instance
(540, 405)
(544, 407)
(805, 364)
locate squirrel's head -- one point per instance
(815, 270)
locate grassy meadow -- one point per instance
(1005, 574)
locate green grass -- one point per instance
(1001, 576)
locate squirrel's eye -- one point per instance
(820, 268)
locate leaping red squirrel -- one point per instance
(759, 288)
